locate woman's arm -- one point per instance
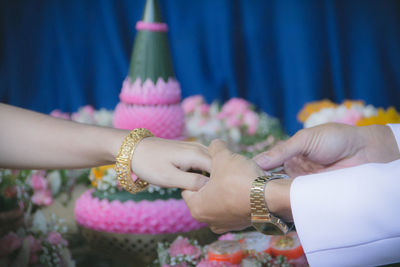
(30, 140)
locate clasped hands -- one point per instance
(223, 199)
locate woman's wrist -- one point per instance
(115, 138)
(277, 198)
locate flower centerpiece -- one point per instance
(116, 222)
(37, 243)
(348, 112)
(240, 249)
(26, 237)
(246, 131)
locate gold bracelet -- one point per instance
(124, 159)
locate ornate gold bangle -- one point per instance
(124, 159)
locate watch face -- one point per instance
(268, 228)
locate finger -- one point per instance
(187, 180)
(218, 230)
(218, 146)
(196, 160)
(187, 195)
(191, 200)
(277, 155)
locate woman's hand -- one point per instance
(331, 146)
(167, 162)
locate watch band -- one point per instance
(261, 218)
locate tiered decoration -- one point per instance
(150, 95)
(128, 226)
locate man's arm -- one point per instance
(349, 217)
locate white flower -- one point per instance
(54, 178)
(369, 111)
(104, 117)
(234, 134)
(323, 116)
(39, 222)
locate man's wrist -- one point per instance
(277, 198)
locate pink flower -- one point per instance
(251, 121)
(206, 263)
(34, 248)
(181, 246)
(204, 109)
(190, 103)
(59, 114)
(55, 238)
(235, 106)
(227, 236)
(233, 121)
(38, 181)
(350, 117)
(88, 109)
(42, 198)
(9, 243)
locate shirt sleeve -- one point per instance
(350, 217)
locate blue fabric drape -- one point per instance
(278, 54)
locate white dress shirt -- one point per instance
(350, 217)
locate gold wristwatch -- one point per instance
(261, 219)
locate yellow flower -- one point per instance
(383, 117)
(98, 173)
(313, 107)
(349, 103)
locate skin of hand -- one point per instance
(331, 146)
(224, 202)
(167, 162)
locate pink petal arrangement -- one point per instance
(182, 246)
(129, 217)
(144, 93)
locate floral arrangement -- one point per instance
(153, 211)
(21, 188)
(246, 131)
(87, 114)
(348, 112)
(27, 239)
(36, 243)
(104, 181)
(183, 252)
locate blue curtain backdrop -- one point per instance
(278, 54)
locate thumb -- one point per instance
(219, 153)
(187, 195)
(191, 200)
(280, 153)
(218, 146)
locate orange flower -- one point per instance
(97, 173)
(349, 103)
(383, 117)
(313, 107)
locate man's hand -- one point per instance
(224, 202)
(331, 146)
